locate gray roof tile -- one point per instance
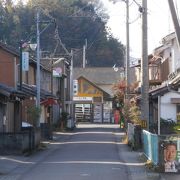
(102, 77)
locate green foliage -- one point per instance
(77, 20)
(64, 116)
(34, 115)
(62, 122)
(167, 127)
(176, 128)
(126, 112)
(119, 91)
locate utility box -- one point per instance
(70, 123)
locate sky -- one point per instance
(159, 23)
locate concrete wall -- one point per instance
(18, 143)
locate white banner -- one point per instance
(82, 98)
(25, 61)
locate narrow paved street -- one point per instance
(91, 152)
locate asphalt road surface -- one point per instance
(91, 152)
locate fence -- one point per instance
(150, 146)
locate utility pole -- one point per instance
(144, 67)
(20, 64)
(175, 20)
(38, 79)
(159, 115)
(38, 62)
(84, 53)
(127, 49)
(71, 85)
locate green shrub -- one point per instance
(34, 115)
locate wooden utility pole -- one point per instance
(175, 20)
(144, 67)
(127, 49)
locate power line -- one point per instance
(139, 16)
(137, 3)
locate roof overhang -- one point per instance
(10, 92)
(31, 90)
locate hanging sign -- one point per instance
(25, 61)
(57, 72)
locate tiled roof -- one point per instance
(10, 91)
(31, 90)
(8, 48)
(104, 78)
(98, 75)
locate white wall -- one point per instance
(175, 56)
(168, 110)
(166, 55)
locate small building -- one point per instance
(93, 94)
(164, 81)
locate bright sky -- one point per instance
(159, 23)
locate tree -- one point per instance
(134, 113)
(77, 20)
(33, 115)
(130, 111)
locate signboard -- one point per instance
(98, 113)
(75, 87)
(143, 123)
(107, 113)
(82, 98)
(25, 61)
(170, 155)
(57, 72)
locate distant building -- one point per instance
(94, 96)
